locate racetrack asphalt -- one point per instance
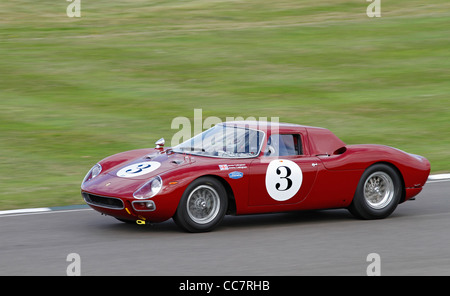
(414, 240)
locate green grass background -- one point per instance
(75, 90)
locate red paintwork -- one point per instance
(329, 184)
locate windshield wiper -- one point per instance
(192, 149)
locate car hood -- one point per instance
(125, 172)
(147, 166)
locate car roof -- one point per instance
(321, 140)
(268, 125)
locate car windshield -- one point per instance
(224, 141)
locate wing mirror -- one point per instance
(160, 143)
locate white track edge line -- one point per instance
(42, 212)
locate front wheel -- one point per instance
(378, 193)
(202, 206)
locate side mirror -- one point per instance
(160, 143)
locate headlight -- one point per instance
(93, 172)
(149, 189)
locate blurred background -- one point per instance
(75, 90)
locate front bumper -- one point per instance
(130, 209)
(103, 201)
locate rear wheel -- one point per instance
(378, 193)
(202, 206)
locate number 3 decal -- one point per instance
(283, 179)
(138, 169)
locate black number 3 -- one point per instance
(139, 169)
(288, 180)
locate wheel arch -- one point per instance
(230, 194)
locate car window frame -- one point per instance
(299, 147)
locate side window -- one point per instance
(283, 145)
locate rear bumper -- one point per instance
(411, 192)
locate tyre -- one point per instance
(378, 193)
(202, 206)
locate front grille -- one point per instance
(102, 201)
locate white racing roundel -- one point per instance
(283, 179)
(138, 169)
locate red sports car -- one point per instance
(246, 167)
